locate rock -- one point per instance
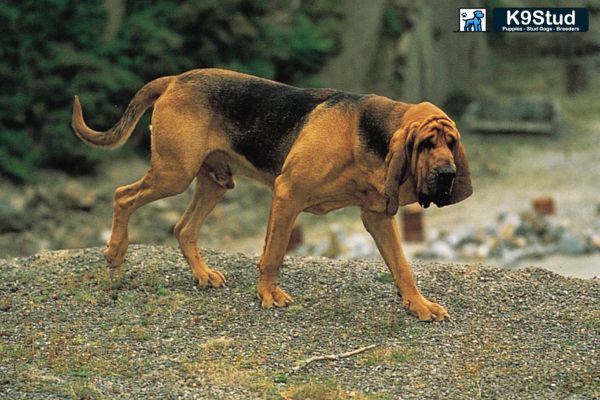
(570, 244)
(296, 238)
(438, 250)
(508, 225)
(461, 235)
(519, 242)
(510, 257)
(483, 251)
(477, 251)
(433, 234)
(593, 239)
(532, 222)
(105, 235)
(469, 251)
(359, 245)
(494, 246)
(552, 234)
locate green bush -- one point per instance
(53, 49)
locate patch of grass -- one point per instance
(388, 356)
(127, 299)
(6, 303)
(153, 281)
(266, 389)
(163, 291)
(338, 311)
(592, 321)
(85, 297)
(328, 390)
(169, 298)
(315, 391)
(385, 278)
(415, 330)
(109, 279)
(83, 391)
(294, 309)
(220, 372)
(252, 290)
(14, 352)
(141, 333)
(79, 373)
(216, 344)
(473, 367)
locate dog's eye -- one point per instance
(451, 143)
(428, 144)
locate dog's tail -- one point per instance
(118, 134)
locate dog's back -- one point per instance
(261, 118)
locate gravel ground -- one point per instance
(68, 329)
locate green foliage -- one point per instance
(53, 49)
(42, 45)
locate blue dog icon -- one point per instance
(474, 24)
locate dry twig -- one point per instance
(332, 357)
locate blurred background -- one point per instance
(526, 103)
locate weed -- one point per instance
(6, 304)
(385, 278)
(387, 356)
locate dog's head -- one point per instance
(478, 14)
(426, 161)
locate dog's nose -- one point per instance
(445, 180)
(446, 173)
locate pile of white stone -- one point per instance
(512, 238)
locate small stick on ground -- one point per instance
(332, 357)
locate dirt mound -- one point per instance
(70, 329)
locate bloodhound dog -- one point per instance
(318, 149)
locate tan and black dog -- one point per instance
(318, 149)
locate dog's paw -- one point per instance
(210, 278)
(114, 259)
(425, 309)
(274, 297)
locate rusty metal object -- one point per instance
(413, 229)
(544, 205)
(296, 238)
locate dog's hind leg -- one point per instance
(207, 194)
(153, 186)
(176, 159)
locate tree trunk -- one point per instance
(440, 61)
(361, 31)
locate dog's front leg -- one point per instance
(284, 211)
(384, 230)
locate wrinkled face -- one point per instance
(426, 161)
(433, 163)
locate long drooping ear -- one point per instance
(399, 183)
(462, 182)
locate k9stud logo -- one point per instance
(540, 19)
(472, 19)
